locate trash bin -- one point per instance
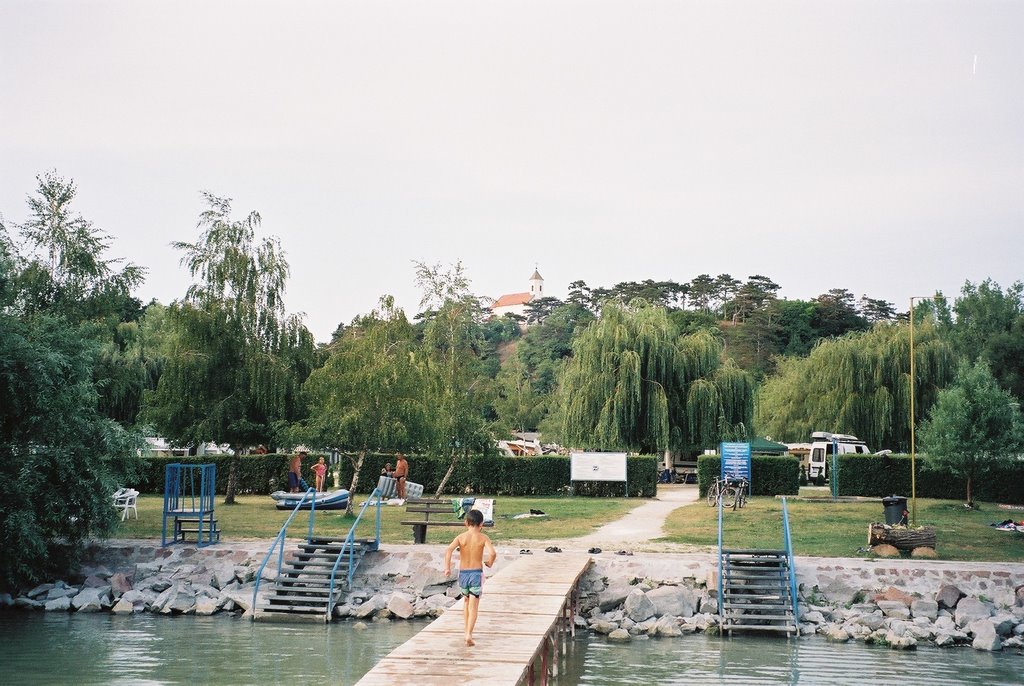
(895, 509)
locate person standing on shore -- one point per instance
(401, 474)
(472, 544)
(295, 472)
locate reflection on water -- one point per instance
(48, 648)
(742, 660)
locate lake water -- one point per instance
(48, 648)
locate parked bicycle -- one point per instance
(732, 492)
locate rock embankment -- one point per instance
(899, 604)
(627, 609)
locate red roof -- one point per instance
(511, 299)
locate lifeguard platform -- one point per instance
(190, 510)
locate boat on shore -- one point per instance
(331, 500)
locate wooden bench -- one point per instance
(440, 507)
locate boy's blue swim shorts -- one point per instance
(471, 582)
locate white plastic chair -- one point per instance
(125, 500)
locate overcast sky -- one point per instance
(874, 146)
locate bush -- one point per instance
(882, 475)
(516, 476)
(770, 475)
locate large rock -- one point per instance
(1003, 622)
(620, 635)
(120, 584)
(837, 634)
(239, 597)
(123, 607)
(1019, 594)
(885, 550)
(923, 607)
(6, 600)
(182, 602)
(368, 608)
(924, 552)
(673, 601)
(206, 606)
(400, 606)
(814, 617)
(223, 575)
(61, 604)
(87, 600)
(985, 637)
(614, 595)
(638, 606)
(948, 596)
(969, 610)
(603, 626)
(667, 626)
(894, 608)
(895, 594)
(38, 591)
(872, 621)
(61, 591)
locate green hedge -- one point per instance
(515, 476)
(882, 475)
(770, 475)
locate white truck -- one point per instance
(824, 444)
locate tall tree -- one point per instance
(836, 314)
(59, 302)
(451, 339)
(238, 358)
(974, 425)
(857, 384)
(634, 384)
(371, 393)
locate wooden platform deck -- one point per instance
(526, 610)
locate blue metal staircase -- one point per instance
(757, 587)
(317, 572)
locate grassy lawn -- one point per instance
(256, 517)
(826, 529)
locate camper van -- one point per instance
(823, 444)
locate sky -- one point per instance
(873, 146)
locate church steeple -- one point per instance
(536, 285)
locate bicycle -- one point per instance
(731, 491)
(720, 489)
(742, 488)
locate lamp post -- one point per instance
(913, 455)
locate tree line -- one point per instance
(647, 366)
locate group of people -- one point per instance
(400, 473)
(296, 484)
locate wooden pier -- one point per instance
(526, 614)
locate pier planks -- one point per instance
(519, 611)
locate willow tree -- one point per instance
(634, 384)
(236, 358)
(857, 384)
(370, 393)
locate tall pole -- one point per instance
(913, 454)
(913, 461)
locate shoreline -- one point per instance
(897, 602)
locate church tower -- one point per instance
(536, 285)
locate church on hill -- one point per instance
(515, 303)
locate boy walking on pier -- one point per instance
(472, 545)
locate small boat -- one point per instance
(334, 500)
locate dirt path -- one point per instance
(637, 530)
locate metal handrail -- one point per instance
(279, 539)
(721, 599)
(349, 547)
(789, 557)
